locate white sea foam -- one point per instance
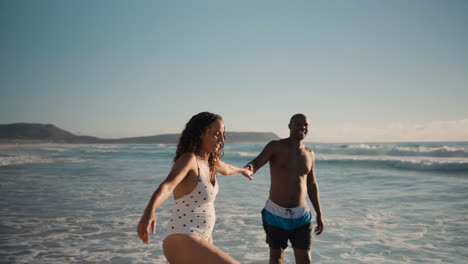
(24, 158)
(444, 165)
(106, 146)
(443, 151)
(373, 240)
(393, 150)
(412, 163)
(56, 149)
(246, 154)
(146, 147)
(88, 214)
(102, 150)
(362, 146)
(28, 158)
(73, 160)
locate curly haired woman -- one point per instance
(193, 182)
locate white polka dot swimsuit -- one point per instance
(194, 213)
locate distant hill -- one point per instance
(40, 133)
(46, 133)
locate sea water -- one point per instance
(381, 203)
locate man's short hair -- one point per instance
(296, 116)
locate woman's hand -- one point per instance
(247, 172)
(145, 222)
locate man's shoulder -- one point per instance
(279, 143)
(310, 150)
(283, 141)
(274, 143)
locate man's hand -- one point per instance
(249, 166)
(319, 229)
(247, 172)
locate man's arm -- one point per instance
(262, 158)
(313, 192)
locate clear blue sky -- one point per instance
(360, 70)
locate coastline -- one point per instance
(20, 145)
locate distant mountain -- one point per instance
(46, 133)
(40, 133)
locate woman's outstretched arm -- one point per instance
(229, 169)
(178, 172)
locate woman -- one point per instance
(193, 182)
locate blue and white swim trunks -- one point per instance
(282, 224)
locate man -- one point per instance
(286, 215)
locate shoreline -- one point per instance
(20, 145)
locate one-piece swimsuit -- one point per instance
(194, 213)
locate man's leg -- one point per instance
(302, 243)
(302, 255)
(277, 240)
(276, 255)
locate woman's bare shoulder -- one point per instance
(186, 159)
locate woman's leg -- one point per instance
(182, 249)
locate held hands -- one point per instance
(248, 172)
(145, 222)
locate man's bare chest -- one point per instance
(296, 162)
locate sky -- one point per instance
(362, 71)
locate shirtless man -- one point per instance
(286, 215)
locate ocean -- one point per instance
(381, 203)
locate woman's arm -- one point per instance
(178, 172)
(229, 169)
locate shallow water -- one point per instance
(382, 203)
